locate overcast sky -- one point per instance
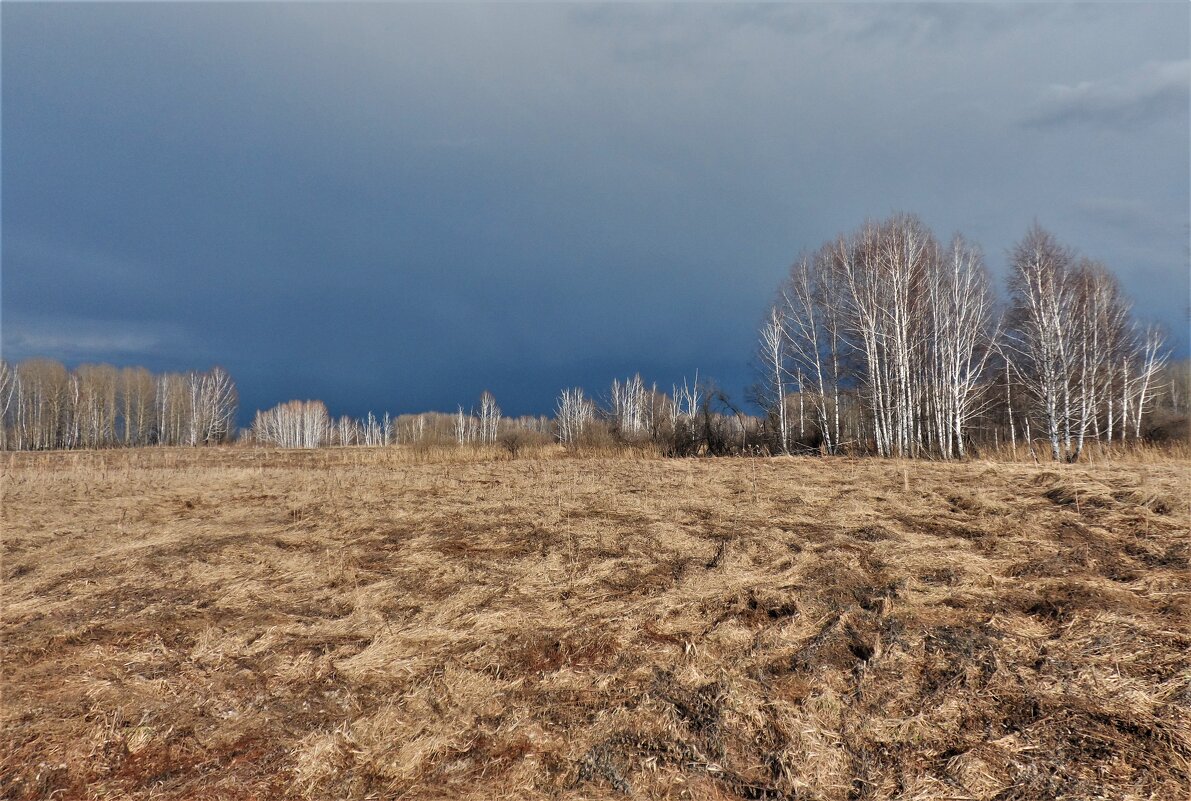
(396, 207)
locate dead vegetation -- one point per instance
(370, 624)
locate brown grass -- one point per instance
(242, 624)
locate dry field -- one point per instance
(345, 624)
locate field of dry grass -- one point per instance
(234, 624)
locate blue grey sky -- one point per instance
(398, 206)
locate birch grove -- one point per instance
(295, 424)
(46, 406)
(892, 318)
(1089, 369)
(898, 334)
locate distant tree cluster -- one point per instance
(296, 424)
(887, 341)
(692, 419)
(308, 424)
(44, 406)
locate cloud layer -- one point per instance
(399, 206)
(1154, 90)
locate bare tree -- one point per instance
(295, 424)
(1151, 359)
(959, 337)
(95, 408)
(1043, 330)
(1105, 338)
(771, 353)
(212, 397)
(375, 432)
(137, 397)
(628, 408)
(687, 399)
(811, 302)
(8, 391)
(466, 427)
(173, 406)
(489, 418)
(43, 417)
(573, 415)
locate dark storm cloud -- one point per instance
(398, 206)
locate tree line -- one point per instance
(884, 341)
(45, 406)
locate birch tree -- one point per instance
(628, 407)
(8, 391)
(137, 398)
(810, 301)
(1151, 358)
(173, 406)
(465, 427)
(212, 399)
(959, 336)
(489, 418)
(771, 353)
(1043, 317)
(573, 413)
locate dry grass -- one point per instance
(353, 624)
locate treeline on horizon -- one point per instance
(885, 341)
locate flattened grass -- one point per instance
(379, 624)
